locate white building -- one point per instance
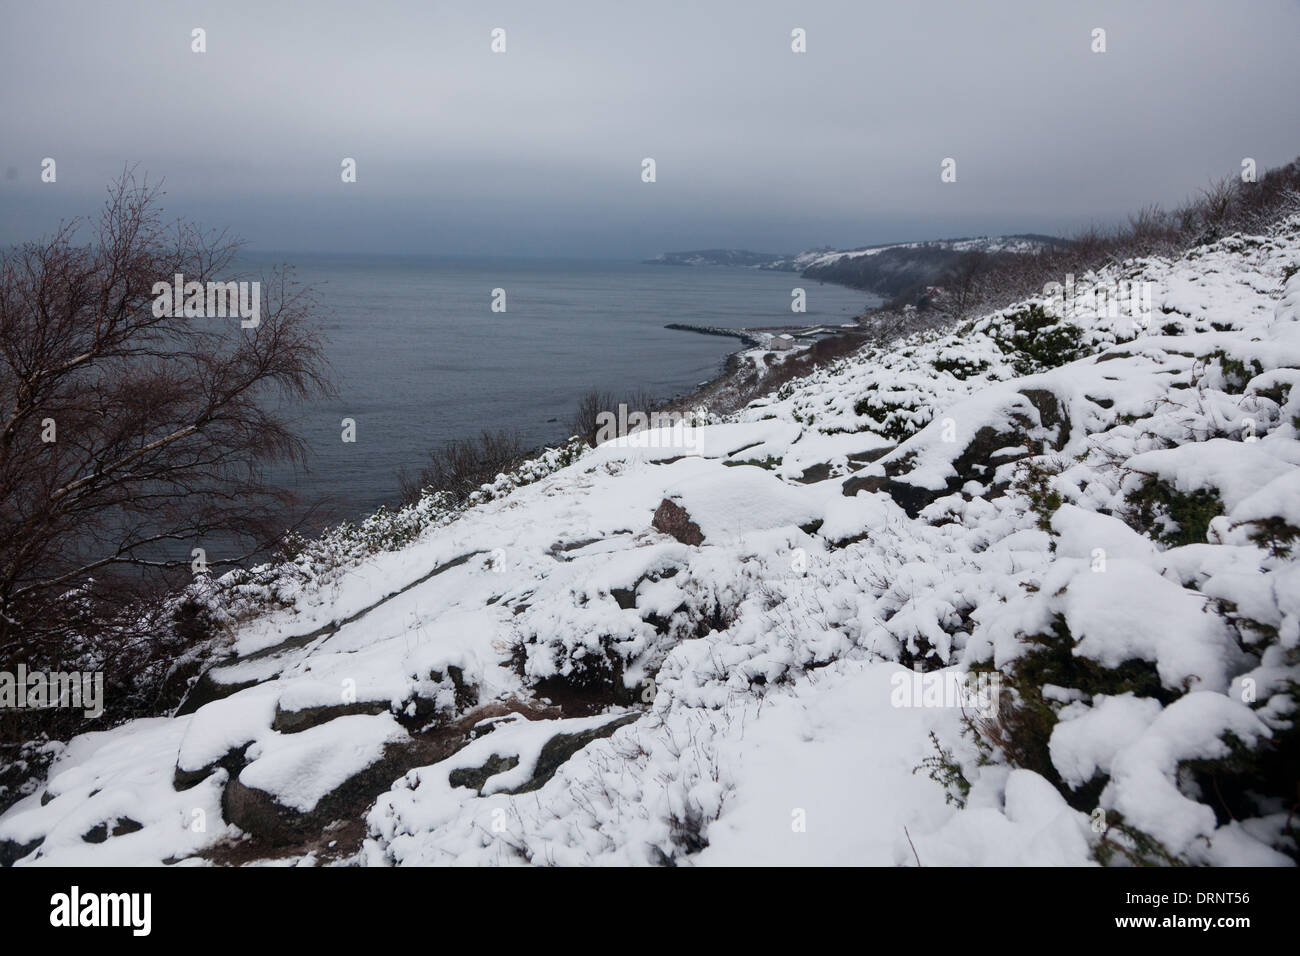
(780, 343)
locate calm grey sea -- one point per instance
(420, 358)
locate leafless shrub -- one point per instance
(594, 404)
(462, 466)
(1216, 204)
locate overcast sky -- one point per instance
(537, 151)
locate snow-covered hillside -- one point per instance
(991, 244)
(738, 645)
(818, 258)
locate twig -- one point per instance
(913, 846)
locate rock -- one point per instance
(99, 833)
(553, 755)
(208, 688)
(870, 484)
(561, 747)
(911, 498)
(624, 597)
(295, 721)
(96, 834)
(11, 851)
(875, 454)
(414, 712)
(1051, 414)
(987, 450)
(476, 777)
(856, 462)
(976, 461)
(672, 519)
(814, 473)
(126, 825)
(593, 683)
(260, 814)
(232, 762)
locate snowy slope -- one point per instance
(1103, 521)
(991, 244)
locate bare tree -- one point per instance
(963, 280)
(127, 435)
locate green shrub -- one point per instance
(1275, 534)
(1034, 481)
(1125, 845)
(942, 767)
(960, 368)
(1236, 373)
(1021, 732)
(894, 420)
(1172, 517)
(1035, 340)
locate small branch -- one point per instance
(912, 845)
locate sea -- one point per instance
(419, 357)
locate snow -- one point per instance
(1143, 786)
(1278, 497)
(1088, 737)
(1021, 244)
(299, 769)
(225, 725)
(1083, 533)
(1130, 611)
(1235, 469)
(1029, 825)
(759, 665)
(745, 498)
(802, 783)
(846, 518)
(109, 776)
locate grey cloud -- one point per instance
(537, 151)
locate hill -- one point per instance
(1022, 591)
(888, 270)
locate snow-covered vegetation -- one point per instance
(734, 648)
